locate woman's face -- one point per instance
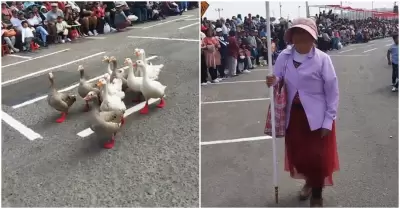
(302, 40)
(34, 9)
(3, 6)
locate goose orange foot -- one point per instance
(161, 104)
(145, 109)
(109, 144)
(62, 118)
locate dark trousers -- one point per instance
(213, 73)
(221, 68)
(395, 74)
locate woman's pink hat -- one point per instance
(308, 24)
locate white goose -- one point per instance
(134, 83)
(149, 88)
(115, 87)
(111, 101)
(107, 60)
(153, 70)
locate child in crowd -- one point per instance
(62, 29)
(27, 36)
(243, 59)
(393, 59)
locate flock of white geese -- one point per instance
(108, 92)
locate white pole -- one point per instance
(271, 93)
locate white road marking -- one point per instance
(89, 131)
(368, 45)
(96, 37)
(19, 56)
(21, 128)
(190, 25)
(189, 19)
(388, 44)
(346, 51)
(255, 70)
(239, 100)
(249, 139)
(233, 82)
(370, 50)
(49, 69)
(169, 21)
(134, 27)
(46, 55)
(66, 89)
(347, 55)
(163, 38)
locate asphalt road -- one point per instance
(155, 160)
(236, 157)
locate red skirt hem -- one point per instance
(307, 155)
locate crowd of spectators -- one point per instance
(234, 46)
(32, 24)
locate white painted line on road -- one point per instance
(346, 50)
(249, 139)
(233, 82)
(368, 45)
(49, 69)
(19, 56)
(190, 25)
(38, 57)
(66, 89)
(347, 55)
(134, 27)
(232, 101)
(370, 50)
(388, 44)
(89, 131)
(169, 21)
(21, 128)
(189, 19)
(96, 37)
(163, 38)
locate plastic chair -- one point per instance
(5, 49)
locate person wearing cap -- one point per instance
(223, 50)
(51, 18)
(121, 21)
(311, 109)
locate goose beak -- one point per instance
(137, 54)
(86, 98)
(134, 64)
(99, 84)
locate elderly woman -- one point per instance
(312, 102)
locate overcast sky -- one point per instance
(290, 8)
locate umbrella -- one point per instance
(271, 92)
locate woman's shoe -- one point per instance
(316, 203)
(305, 192)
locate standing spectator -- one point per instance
(233, 52)
(223, 50)
(393, 59)
(210, 45)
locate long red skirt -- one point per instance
(308, 156)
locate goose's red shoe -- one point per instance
(62, 118)
(109, 144)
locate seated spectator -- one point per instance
(120, 20)
(20, 6)
(28, 37)
(51, 19)
(6, 13)
(13, 6)
(62, 30)
(99, 11)
(171, 8)
(8, 36)
(109, 7)
(38, 14)
(16, 20)
(88, 19)
(36, 22)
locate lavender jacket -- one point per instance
(315, 80)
